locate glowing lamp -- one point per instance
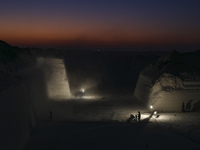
(83, 90)
(151, 106)
(155, 112)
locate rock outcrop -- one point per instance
(171, 81)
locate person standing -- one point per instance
(139, 116)
(50, 116)
(183, 107)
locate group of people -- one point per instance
(134, 117)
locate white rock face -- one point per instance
(169, 92)
(166, 86)
(55, 77)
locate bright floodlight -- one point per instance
(155, 112)
(151, 106)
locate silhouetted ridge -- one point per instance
(176, 64)
(7, 52)
(169, 57)
(4, 44)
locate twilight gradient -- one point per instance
(90, 23)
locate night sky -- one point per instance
(134, 24)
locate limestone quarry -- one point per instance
(35, 82)
(171, 83)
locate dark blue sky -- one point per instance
(105, 23)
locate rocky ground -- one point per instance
(164, 131)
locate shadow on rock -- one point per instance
(196, 106)
(189, 105)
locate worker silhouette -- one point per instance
(139, 116)
(50, 116)
(130, 119)
(183, 107)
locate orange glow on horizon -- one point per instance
(54, 35)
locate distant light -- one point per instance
(83, 90)
(151, 106)
(89, 97)
(155, 112)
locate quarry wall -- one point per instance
(55, 77)
(168, 93)
(172, 101)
